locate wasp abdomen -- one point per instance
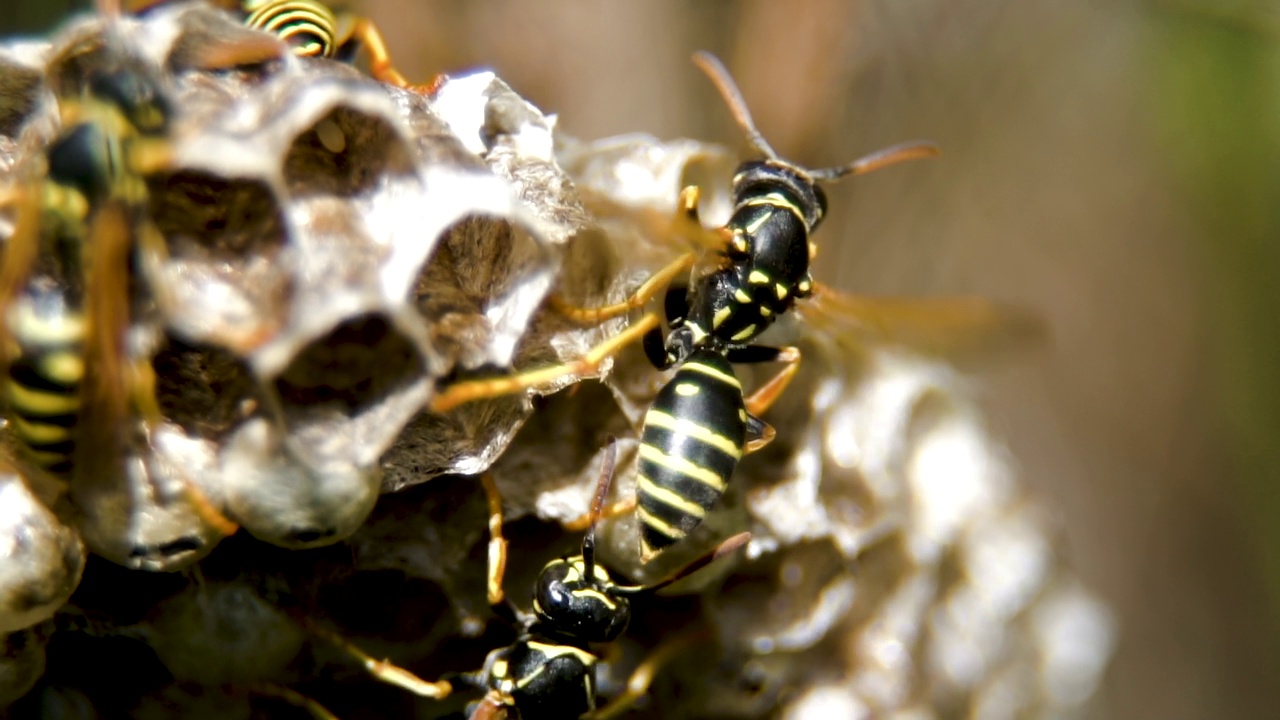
(691, 442)
(44, 376)
(308, 26)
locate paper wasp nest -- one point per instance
(336, 251)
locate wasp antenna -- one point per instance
(720, 77)
(902, 152)
(725, 548)
(597, 504)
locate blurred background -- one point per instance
(1111, 165)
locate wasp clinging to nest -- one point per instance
(702, 422)
(77, 392)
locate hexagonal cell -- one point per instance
(20, 91)
(223, 282)
(346, 153)
(204, 390)
(307, 489)
(150, 507)
(43, 557)
(476, 267)
(357, 365)
(207, 217)
(211, 40)
(220, 632)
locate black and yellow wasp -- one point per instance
(311, 28)
(701, 422)
(69, 290)
(549, 672)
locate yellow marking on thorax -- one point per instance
(682, 466)
(67, 200)
(554, 651)
(758, 278)
(746, 332)
(758, 222)
(658, 418)
(698, 333)
(721, 315)
(668, 497)
(775, 199)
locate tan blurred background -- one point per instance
(1112, 165)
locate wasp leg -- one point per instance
(763, 398)
(364, 31)
(598, 510)
(491, 707)
(612, 510)
(295, 698)
(497, 543)
(760, 433)
(384, 670)
(642, 677)
(688, 226)
(471, 390)
(142, 387)
(685, 225)
(638, 299)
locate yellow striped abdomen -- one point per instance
(45, 372)
(308, 26)
(690, 445)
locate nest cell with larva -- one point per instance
(337, 251)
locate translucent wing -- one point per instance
(957, 328)
(20, 253)
(678, 229)
(106, 388)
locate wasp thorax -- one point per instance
(573, 605)
(137, 95)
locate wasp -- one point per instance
(549, 671)
(72, 382)
(702, 422)
(312, 29)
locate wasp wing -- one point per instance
(957, 328)
(105, 392)
(677, 229)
